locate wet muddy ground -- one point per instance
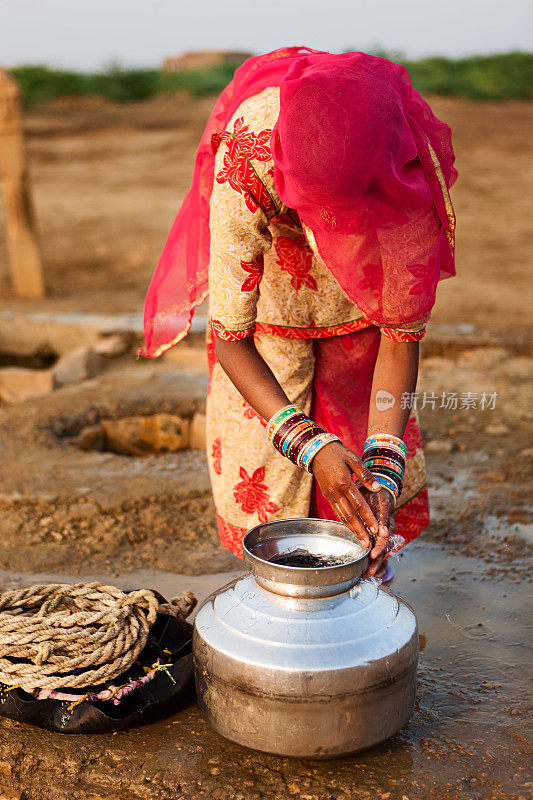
(149, 521)
(467, 738)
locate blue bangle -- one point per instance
(387, 483)
(313, 447)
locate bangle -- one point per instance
(385, 452)
(297, 437)
(385, 456)
(386, 440)
(298, 430)
(389, 490)
(279, 417)
(385, 463)
(316, 444)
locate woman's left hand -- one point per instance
(382, 506)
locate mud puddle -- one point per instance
(465, 741)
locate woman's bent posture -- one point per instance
(320, 222)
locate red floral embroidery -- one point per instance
(242, 147)
(368, 282)
(296, 257)
(421, 275)
(254, 145)
(216, 140)
(251, 494)
(216, 455)
(231, 536)
(286, 220)
(255, 273)
(250, 413)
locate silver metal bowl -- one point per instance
(319, 537)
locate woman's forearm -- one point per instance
(395, 374)
(334, 466)
(251, 375)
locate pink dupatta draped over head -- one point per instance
(365, 163)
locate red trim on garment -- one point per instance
(313, 333)
(403, 336)
(226, 335)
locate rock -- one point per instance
(137, 436)
(77, 365)
(83, 509)
(114, 343)
(11, 794)
(438, 446)
(496, 429)
(527, 452)
(108, 797)
(92, 437)
(493, 477)
(197, 434)
(18, 384)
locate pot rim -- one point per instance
(346, 573)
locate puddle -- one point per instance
(465, 740)
(500, 529)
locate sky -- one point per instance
(91, 34)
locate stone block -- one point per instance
(137, 436)
(197, 435)
(114, 343)
(77, 365)
(18, 384)
(92, 437)
(11, 794)
(438, 446)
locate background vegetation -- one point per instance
(492, 77)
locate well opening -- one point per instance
(43, 358)
(132, 434)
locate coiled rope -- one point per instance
(57, 635)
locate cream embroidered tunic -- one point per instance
(263, 273)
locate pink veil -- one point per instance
(180, 280)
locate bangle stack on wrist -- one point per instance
(385, 456)
(296, 436)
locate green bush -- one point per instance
(496, 77)
(40, 83)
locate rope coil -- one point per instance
(94, 630)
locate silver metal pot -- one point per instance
(305, 662)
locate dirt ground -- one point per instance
(107, 181)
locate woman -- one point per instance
(319, 217)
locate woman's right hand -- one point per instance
(336, 469)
